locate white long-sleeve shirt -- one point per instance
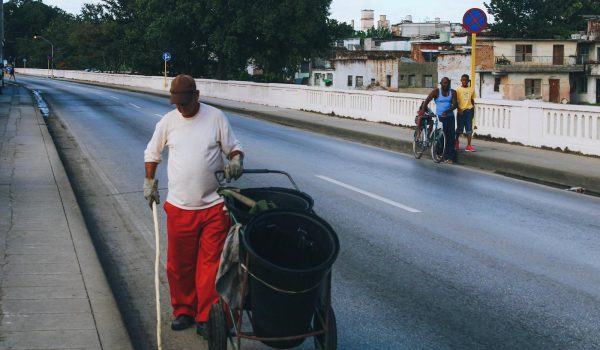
(196, 148)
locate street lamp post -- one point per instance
(50, 66)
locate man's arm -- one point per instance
(150, 169)
(454, 102)
(433, 94)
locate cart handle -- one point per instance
(220, 175)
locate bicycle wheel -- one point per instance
(439, 145)
(418, 144)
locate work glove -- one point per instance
(151, 191)
(234, 169)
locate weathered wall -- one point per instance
(487, 82)
(419, 70)
(377, 69)
(454, 66)
(514, 87)
(485, 57)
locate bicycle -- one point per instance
(436, 140)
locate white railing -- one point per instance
(531, 123)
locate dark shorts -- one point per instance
(465, 122)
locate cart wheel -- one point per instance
(327, 341)
(217, 328)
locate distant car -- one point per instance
(93, 70)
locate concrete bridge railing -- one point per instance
(531, 123)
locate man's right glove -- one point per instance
(151, 191)
(235, 168)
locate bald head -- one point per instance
(445, 83)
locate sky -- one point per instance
(347, 10)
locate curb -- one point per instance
(107, 318)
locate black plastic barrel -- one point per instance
(289, 253)
(283, 198)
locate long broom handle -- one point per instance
(156, 275)
(240, 197)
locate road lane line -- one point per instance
(116, 98)
(369, 194)
(158, 115)
(133, 105)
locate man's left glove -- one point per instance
(235, 168)
(151, 191)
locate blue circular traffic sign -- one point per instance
(475, 20)
(166, 56)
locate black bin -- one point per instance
(290, 253)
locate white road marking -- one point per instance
(133, 105)
(116, 98)
(158, 115)
(369, 194)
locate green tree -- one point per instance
(22, 20)
(286, 32)
(539, 18)
(339, 30)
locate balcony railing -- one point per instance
(538, 60)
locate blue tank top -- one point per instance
(443, 103)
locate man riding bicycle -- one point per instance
(445, 103)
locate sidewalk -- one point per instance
(548, 167)
(53, 292)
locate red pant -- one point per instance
(195, 243)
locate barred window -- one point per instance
(533, 88)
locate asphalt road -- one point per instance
(432, 256)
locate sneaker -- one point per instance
(202, 329)
(182, 322)
(456, 145)
(449, 161)
(470, 149)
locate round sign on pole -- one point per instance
(166, 56)
(475, 21)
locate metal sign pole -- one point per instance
(166, 57)
(473, 61)
(474, 21)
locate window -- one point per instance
(497, 84)
(533, 88)
(412, 80)
(317, 78)
(402, 75)
(349, 80)
(388, 80)
(584, 55)
(428, 81)
(523, 53)
(583, 85)
(598, 55)
(372, 81)
(359, 81)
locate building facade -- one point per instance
(531, 69)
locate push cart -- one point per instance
(285, 256)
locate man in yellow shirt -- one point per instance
(466, 108)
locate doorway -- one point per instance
(555, 90)
(597, 90)
(558, 55)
